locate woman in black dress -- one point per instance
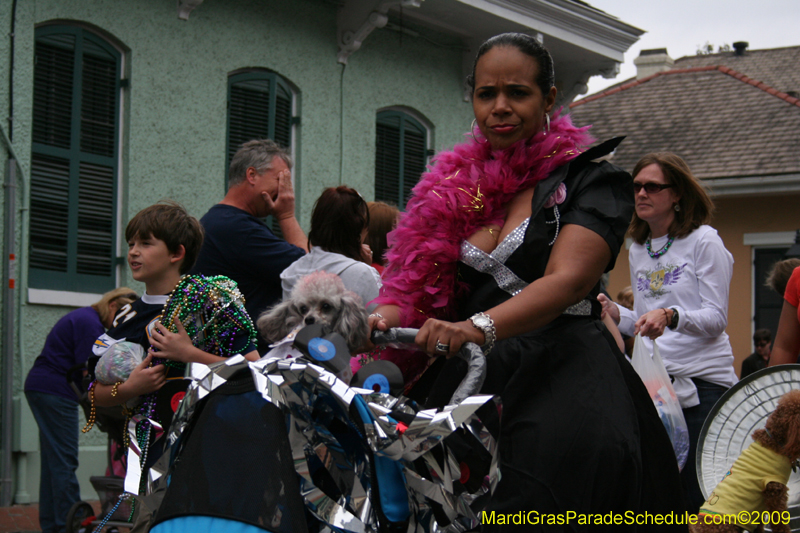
(503, 245)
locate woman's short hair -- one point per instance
(122, 295)
(546, 77)
(780, 273)
(382, 219)
(695, 205)
(340, 216)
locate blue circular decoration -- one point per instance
(321, 349)
(378, 380)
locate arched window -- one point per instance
(261, 105)
(74, 160)
(401, 152)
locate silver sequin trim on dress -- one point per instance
(492, 264)
(512, 241)
(582, 308)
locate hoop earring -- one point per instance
(546, 127)
(472, 132)
(677, 208)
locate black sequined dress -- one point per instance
(579, 431)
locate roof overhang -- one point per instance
(583, 41)
(559, 21)
(753, 185)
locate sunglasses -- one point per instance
(650, 187)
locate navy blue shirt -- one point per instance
(242, 247)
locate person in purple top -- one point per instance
(55, 406)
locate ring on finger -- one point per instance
(443, 348)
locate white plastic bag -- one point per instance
(659, 386)
(117, 363)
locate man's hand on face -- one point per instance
(282, 206)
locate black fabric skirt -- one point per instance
(579, 433)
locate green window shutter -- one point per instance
(282, 133)
(98, 102)
(52, 91)
(415, 147)
(95, 220)
(387, 162)
(74, 161)
(49, 215)
(400, 156)
(248, 114)
(259, 107)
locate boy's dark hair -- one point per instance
(168, 221)
(762, 334)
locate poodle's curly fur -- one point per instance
(319, 297)
(782, 436)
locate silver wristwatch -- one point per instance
(484, 322)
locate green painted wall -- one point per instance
(174, 117)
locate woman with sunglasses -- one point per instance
(681, 275)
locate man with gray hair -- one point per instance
(237, 243)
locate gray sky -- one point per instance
(681, 26)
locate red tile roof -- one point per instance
(724, 123)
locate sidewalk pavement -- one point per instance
(25, 518)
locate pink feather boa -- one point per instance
(464, 190)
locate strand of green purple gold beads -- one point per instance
(211, 310)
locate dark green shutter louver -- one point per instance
(95, 220)
(283, 117)
(74, 161)
(387, 163)
(52, 94)
(259, 107)
(248, 115)
(400, 156)
(415, 148)
(98, 106)
(49, 216)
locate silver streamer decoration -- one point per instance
(315, 401)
